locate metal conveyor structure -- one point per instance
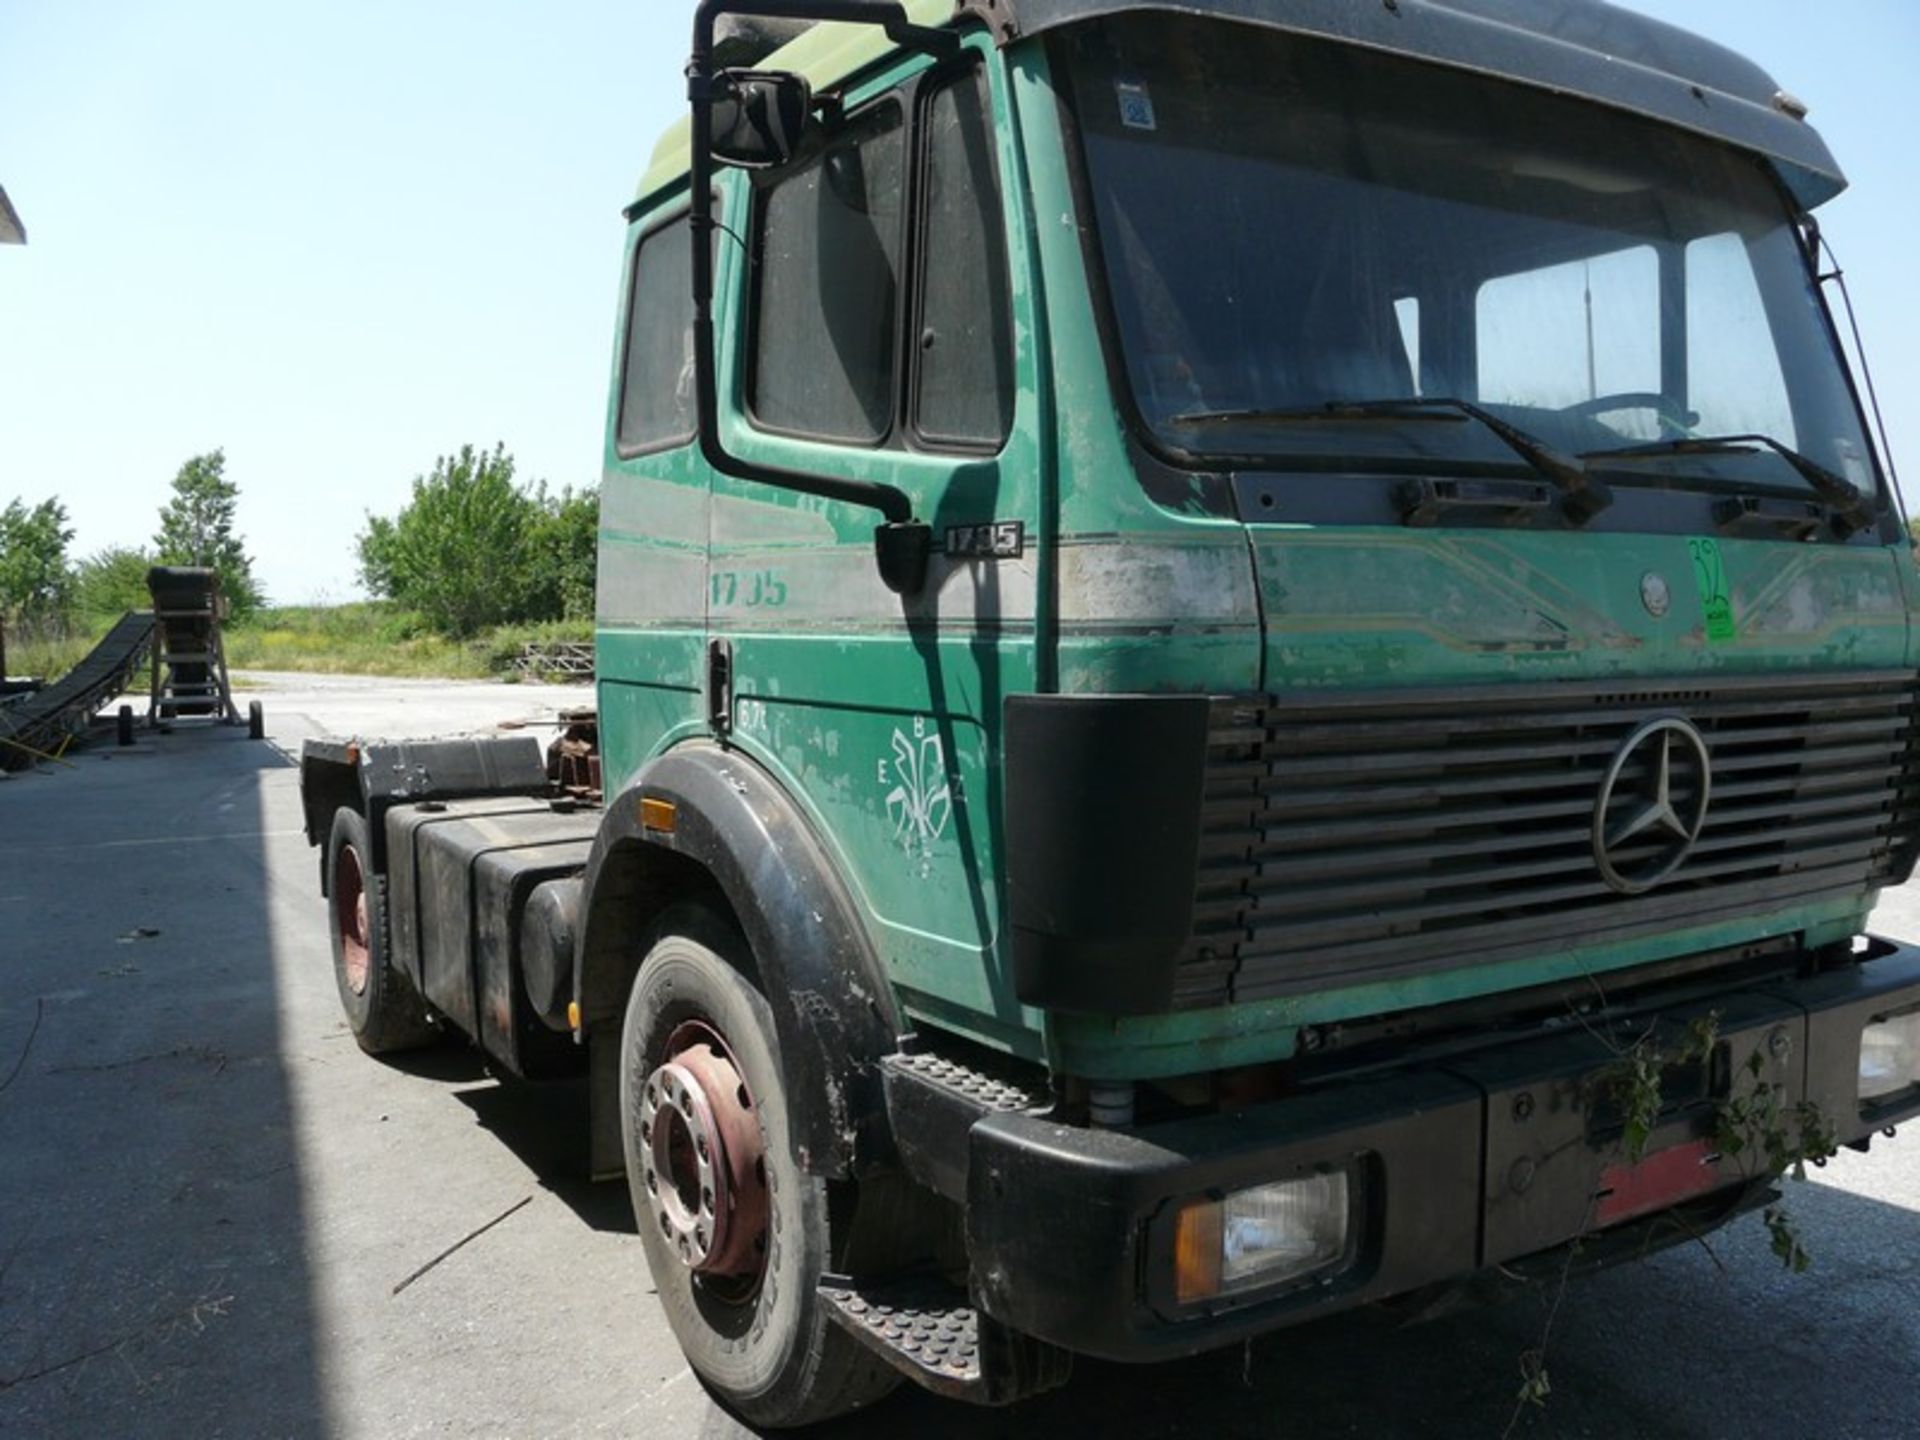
(189, 658)
(34, 727)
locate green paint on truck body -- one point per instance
(881, 715)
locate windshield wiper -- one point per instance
(1583, 495)
(1850, 507)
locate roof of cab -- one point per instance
(1587, 48)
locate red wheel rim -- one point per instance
(350, 910)
(703, 1161)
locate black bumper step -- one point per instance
(990, 1088)
(935, 1097)
(926, 1328)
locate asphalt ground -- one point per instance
(218, 1218)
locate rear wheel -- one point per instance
(736, 1235)
(384, 1011)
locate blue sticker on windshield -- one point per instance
(1136, 106)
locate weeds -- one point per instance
(46, 650)
(1756, 1134)
(362, 638)
(373, 638)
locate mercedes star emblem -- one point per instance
(1652, 805)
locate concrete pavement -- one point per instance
(208, 1195)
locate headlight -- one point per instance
(1889, 1057)
(1261, 1236)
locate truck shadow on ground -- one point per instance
(545, 1125)
(1706, 1340)
(1683, 1344)
(1695, 1342)
(154, 1212)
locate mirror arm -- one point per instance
(902, 545)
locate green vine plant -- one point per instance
(1634, 1079)
(1783, 1139)
(1753, 1128)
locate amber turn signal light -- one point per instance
(1196, 1252)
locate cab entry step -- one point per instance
(926, 1328)
(935, 1098)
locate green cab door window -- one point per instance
(656, 390)
(827, 284)
(963, 378)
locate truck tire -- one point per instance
(737, 1263)
(384, 1011)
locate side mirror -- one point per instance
(759, 117)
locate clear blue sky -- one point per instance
(342, 239)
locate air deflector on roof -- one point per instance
(740, 41)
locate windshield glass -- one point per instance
(1288, 223)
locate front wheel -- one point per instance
(736, 1235)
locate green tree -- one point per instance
(196, 528)
(376, 552)
(36, 582)
(565, 534)
(463, 550)
(112, 581)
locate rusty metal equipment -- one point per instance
(40, 725)
(573, 759)
(541, 660)
(189, 671)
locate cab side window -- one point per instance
(656, 392)
(963, 384)
(826, 288)
(879, 309)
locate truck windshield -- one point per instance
(1288, 223)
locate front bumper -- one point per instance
(1489, 1156)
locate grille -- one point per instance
(1363, 836)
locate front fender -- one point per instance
(735, 829)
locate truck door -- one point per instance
(651, 576)
(875, 338)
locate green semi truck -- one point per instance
(1253, 658)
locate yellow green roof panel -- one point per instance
(825, 55)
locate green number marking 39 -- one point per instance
(1710, 573)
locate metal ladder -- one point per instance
(189, 661)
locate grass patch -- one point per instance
(364, 638)
(47, 652)
(373, 638)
